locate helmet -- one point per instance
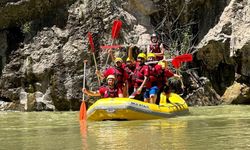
(128, 59)
(118, 59)
(153, 35)
(142, 55)
(163, 64)
(151, 55)
(110, 77)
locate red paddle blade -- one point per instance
(91, 42)
(184, 58)
(116, 28)
(110, 46)
(176, 62)
(83, 112)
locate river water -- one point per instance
(220, 127)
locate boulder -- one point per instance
(237, 94)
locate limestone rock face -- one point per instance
(225, 48)
(237, 94)
(43, 44)
(17, 12)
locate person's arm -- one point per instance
(98, 73)
(130, 55)
(91, 93)
(142, 85)
(120, 93)
(111, 54)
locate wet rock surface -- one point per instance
(43, 69)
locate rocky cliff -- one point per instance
(43, 45)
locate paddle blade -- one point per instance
(176, 62)
(91, 42)
(184, 58)
(116, 28)
(83, 112)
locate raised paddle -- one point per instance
(119, 46)
(181, 58)
(92, 46)
(83, 113)
(176, 62)
(114, 34)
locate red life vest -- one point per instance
(110, 92)
(163, 76)
(139, 73)
(130, 72)
(155, 48)
(152, 76)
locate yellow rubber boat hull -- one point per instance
(131, 109)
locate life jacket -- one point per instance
(110, 92)
(119, 74)
(138, 76)
(152, 76)
(155, 48)
(130, 72)
(161, 78)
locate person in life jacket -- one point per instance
(109, 90)
(129, 68)
(118, 71)
(162, 80)
(150, 94)
(156, 47)
(140, 76)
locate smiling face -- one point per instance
(118, 64)
(140, 60)
(128, 63)
(154, 39)
(111, 82)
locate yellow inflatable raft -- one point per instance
(131, 109)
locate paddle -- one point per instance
(119, 46)
(181, 58)
(133, 94)
(93, 53)
(114, 34)
(176, 62)
(83, 113)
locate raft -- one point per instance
(131, 109)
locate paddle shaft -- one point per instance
(84, 78)
(119, 46)
(99, 82)
(113, 40)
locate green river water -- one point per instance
(220, 127)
